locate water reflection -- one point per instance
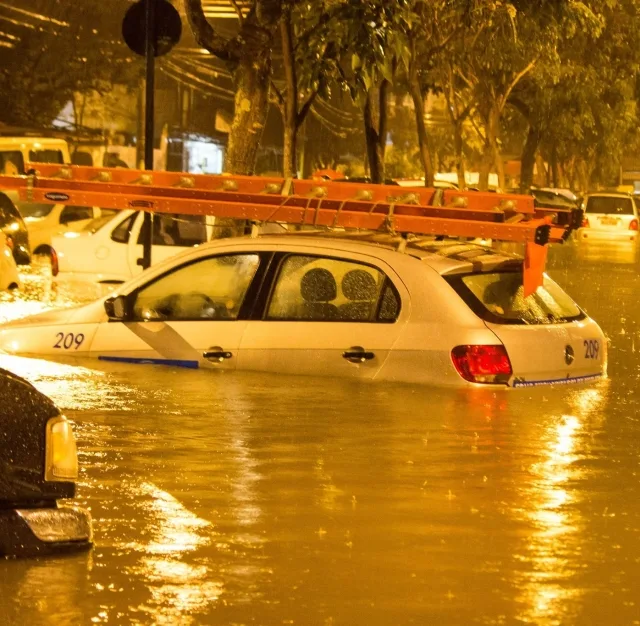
(179, 588)
(54, 591)
(605, 252)
(554, 549)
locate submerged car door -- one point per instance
(172, 234)
(337, 315)
(192, 316)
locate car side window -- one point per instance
(328, 289)
(8, 212)
(75, 214)
(122, 231)
(11, 162)
(211, 289)
(170, 229)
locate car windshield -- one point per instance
(610, 205)
(498, 297)
(34, 210)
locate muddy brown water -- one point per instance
(253, 499)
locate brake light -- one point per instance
(482, 364)
(55, 266)
(585, 222)
(633, 225)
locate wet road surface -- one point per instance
(252, 499)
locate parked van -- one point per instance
(17, 151)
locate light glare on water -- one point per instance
(254, 499)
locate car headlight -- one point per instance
(61, 459)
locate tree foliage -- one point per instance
(555, 81)
(76, 49)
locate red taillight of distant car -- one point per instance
(55, 267)
(482, 364)
(585, 223)
(633, 225)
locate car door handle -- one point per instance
(357, 354)
(217, 354)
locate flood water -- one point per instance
(249, 499)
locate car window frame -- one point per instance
(266, 294)
(248, 304)
(129, 218)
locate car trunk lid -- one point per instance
(547, 337)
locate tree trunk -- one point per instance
(491, 156)
(289, 163)
(290, 117)
(459, 153)
(423, 138)
(554, 168)
(528, 158)
(375, 130)
(250, 113)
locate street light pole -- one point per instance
(149, 108)
(150, 28)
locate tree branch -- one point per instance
(304, 109)
(382, 113)
(203, 32)
(238, 10)
(516, 80)
(279, 96)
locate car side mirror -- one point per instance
(116, 308)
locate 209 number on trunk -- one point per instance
(591, 348)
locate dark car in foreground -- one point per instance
(38, 467)
(14, 227)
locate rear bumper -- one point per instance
(521, 382)
(594, 234)
(44, 531)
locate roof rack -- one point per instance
(401, 210)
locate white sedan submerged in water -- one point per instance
(357, 306)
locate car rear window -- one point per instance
(498, 297)
(46, 156)
(609, 205)
(35, 209)
(96, 224)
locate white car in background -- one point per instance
(45, 221)
(9, 278)
(610, 217)
(106, 249)
(359, 306)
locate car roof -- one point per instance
(609, 194)
(445, 257)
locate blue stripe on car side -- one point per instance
(145, 361)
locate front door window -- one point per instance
(210, 289)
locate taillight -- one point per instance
(55, 266)
(633, 225)
(482, 364)
(585, 223)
